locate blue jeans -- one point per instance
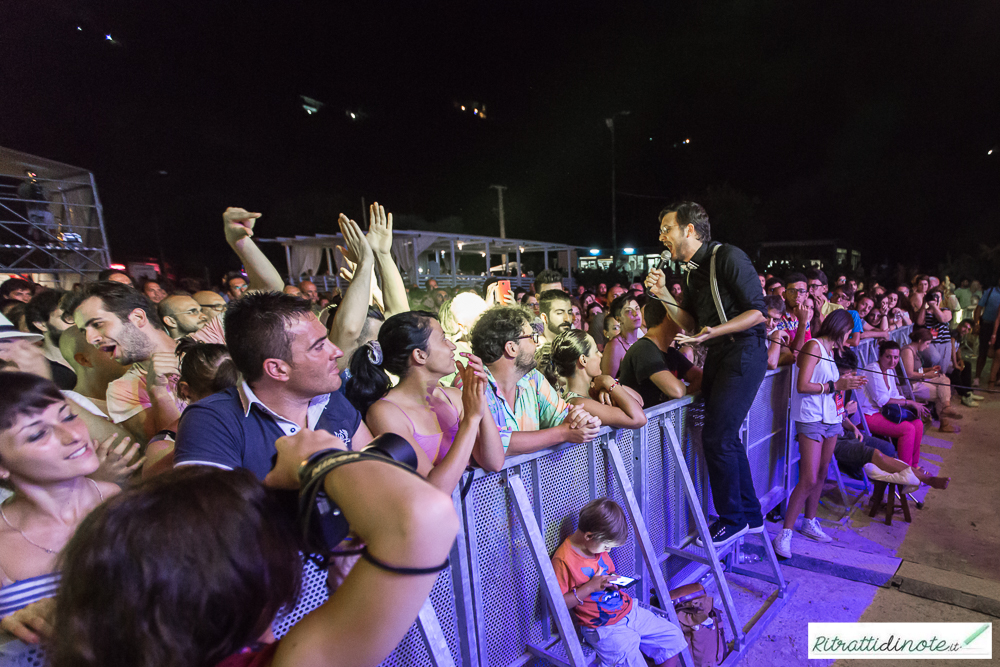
(733, 373)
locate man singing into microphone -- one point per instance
(737, 356)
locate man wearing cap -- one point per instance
(19, 351)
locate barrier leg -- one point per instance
(744, 635)
(550, 586)
(713, 558)
(430, 632)
(645, 544)
(461, 581)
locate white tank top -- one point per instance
(818, 407)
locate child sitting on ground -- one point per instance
(619, 629)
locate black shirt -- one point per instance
(63, 377)
(643, 360)
(739, 288)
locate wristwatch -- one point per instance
(833, 388)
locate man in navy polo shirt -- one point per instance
(290, 382)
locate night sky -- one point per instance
(865, 121)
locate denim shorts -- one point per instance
(818, 430)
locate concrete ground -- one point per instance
(944, 566)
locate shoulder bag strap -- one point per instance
(714, 283)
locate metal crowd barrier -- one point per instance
(489, 608)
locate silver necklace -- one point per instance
(28, 539)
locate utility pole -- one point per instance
(610, 122)
(503, 231)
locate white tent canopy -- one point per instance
(422, 255)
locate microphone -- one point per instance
(664, 258)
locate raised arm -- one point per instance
(380, 240)
(942, 314)
(238, 225)
(799, 340)
(349, 319)
(403, 521)
(774, 348)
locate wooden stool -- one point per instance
(893, 491)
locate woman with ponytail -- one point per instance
(446, 426)
(576, 361)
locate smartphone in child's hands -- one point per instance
(621, 582)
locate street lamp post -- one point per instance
(610, 122)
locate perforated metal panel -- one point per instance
(766, 444)
(562, 501)
(511, 612)
(657, 487)
(312, 593)
(507, 579)
(412, 651)
(15, 653)
(623, 556)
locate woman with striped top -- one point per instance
(46, 456)
(936, 318)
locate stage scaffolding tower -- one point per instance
(51, 222)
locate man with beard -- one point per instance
(44, 315)
(528, 411)
(122, 322)
(554, 309)
(736, 361)
(181, 315)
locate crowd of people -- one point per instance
(144, 428)
(859, 414)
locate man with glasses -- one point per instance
(736, 361)
(818, 285)
(212, 304)
(236, 285)
(795, 321)
(182, 315)
(527, 409)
